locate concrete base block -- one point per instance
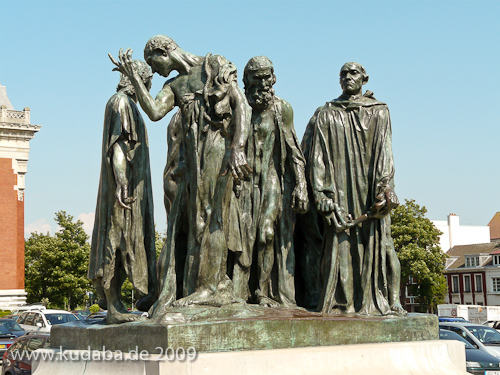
(400, 358)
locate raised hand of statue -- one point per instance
(125, 65)
(122, 196)
(386, 201)
(300, 202)
(238, 164)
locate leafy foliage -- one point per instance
(56, 266)
(417, 244)
(160, 239)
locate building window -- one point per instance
(466, 283)
(454, 284)
(496, 284)
(478, 284)
(472, 261)
(496, 260)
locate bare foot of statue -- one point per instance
(208, 298)
(200, 297)
(115, 317)
(398, 309)
(267, 302)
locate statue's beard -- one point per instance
(259, 96)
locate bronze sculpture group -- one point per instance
(235, 181)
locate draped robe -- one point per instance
(117, 230)
(351, 163)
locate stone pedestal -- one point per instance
(251, 328)
(250, 340)
(403, 358)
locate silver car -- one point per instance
(481, 337)
(43, 320)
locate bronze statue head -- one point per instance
(158, 54)
(259, 78)
(352, 78)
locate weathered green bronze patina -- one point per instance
(214, 119)
(123, 242)
(240, 327)
(264, 269)
(352, 178)
(234, 179)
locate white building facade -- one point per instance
(455, 234)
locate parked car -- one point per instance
(452, 319)
(97, 315)
(23, 346)
(42, 321)
(476, 361)
(28, 307)
(81, 313)
(12, 326)
(492, 323)
(14, 317)
(7, 338)
(481, 337)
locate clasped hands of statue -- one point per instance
(336, 216)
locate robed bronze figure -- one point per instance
(352, 178)
(213, 119)
(123, 240)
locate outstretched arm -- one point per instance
(157, 108)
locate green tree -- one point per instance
(417, 244)
(56, 266)
(160, 239)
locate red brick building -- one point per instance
(473, 274)
(15, 134)
(494, 225)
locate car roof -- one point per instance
(459, 324)
(49, 311)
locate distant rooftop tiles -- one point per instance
(460, 251)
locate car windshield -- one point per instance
(54, 319)
(4, 331)
(449, 335)
(11, 325)
(485, 335)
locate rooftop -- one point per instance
(461, 251)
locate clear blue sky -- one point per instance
(435, 63)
